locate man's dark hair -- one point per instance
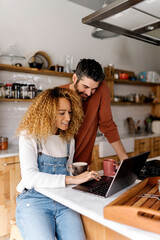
(91, 69)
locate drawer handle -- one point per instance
(142, 143)
(6, 164)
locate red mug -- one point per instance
(109, 167)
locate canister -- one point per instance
(32, 91)
(24, 91)
(2, 90)
(3, 143)
(8, 90)
(16, 90)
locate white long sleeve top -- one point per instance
(31, 176)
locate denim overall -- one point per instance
(39, 217)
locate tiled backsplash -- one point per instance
(41, 81)
(12, 112)
(121, 113)
(10, 116)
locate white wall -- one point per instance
(11, 112)
(54, 26)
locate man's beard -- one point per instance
(83, 96)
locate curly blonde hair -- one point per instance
(39, 119)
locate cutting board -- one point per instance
(137, 207)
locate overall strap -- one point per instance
(68, 149)
(39, 147)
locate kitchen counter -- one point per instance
(14, 151)
(128, 141)
(92, 207)
(129, 136)
(10, 152)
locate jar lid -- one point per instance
(16, 84)
(3, 139)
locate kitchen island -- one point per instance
(89, 206)
(91, 209)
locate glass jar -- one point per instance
(3, 143)
(24, 91)
(8, 90)
(2, 90)
(16, 90)
(32, 91)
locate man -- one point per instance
(88, 83)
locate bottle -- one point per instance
(68, 64)
(110, 70)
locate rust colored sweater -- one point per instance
(97, 111)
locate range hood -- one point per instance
(138, 19)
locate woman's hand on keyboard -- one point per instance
(83, 177)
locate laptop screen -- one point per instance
(127, 173)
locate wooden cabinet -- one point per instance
(148, 144)
(96, 231)
(142, 145)
(9, 178)
(155, 146)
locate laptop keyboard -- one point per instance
(100, 189)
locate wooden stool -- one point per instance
(15, 234)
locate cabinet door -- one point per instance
(142, 145)
(155, 146)
(9, 178)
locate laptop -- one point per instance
(125, 176)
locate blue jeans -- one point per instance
(39, 217)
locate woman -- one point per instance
(46, 149)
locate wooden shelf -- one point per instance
(30, 100)
(15, 100)
(11, 68)
(130, 103)
(123, 81)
